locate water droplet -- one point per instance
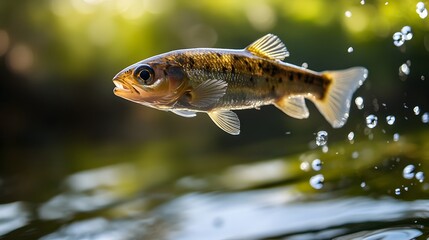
(304, 65)
(398, 191)
(316, 164)
(423, 14)
(404, 69)
(390, 119)
(317, 181)
(305, 166)
(321, 138)
(351, 136)
(420, 6)
(355, 154)
(421, 10)
(363, 184)
(348, 14)
(362, 2)
(398, 39)
(416, 110)
(425, 117)
(359, 103)
(409, 171)
(371, 121)
(350, 49)
(420, 176)
(406, 31)
(396, 137)
(325, 149)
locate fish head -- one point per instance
(155, 84)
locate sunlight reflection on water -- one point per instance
(87, 191)
(12, 216)
(262, 215)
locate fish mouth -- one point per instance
(122, 87)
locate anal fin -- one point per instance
(226, 120)
(293, 106)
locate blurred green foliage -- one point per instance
(77, 40)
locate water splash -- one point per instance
(409, 171)
(404, 69)
(405, 34)
(351, 137)
(325, 149)
(406, 31)
(371, 121)
(304, 65)
(317, 181)
(348, 14)
(421, 10)
(305, 166)
(359, 103)
(425, 117)
(316, 164)
(396, 137)
(420, 176)
(398, 39)
(390, 119)
(321, 138)
(416, 110)
(398, 191)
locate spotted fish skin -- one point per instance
(217, 81)
(252, 81)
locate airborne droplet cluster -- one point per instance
(421, 10)
(321, 138)
(405, 34)
(371, 121)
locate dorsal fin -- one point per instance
(268, 46)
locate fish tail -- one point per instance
(335, 105)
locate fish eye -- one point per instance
(144, 74)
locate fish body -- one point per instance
(217, 81)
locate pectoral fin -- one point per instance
(226, 120)
(293, 106)
(207, 93)
(184, 113)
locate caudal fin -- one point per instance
(336, 105)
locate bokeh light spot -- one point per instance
(21, 58)
(4, 42)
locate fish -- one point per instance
(217, 81)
